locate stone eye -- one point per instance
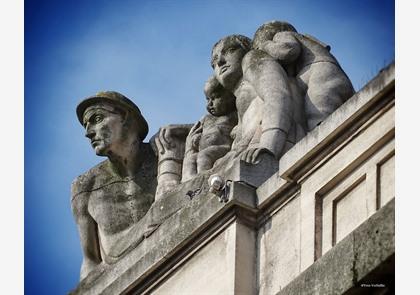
(98, 118)
(230, 50)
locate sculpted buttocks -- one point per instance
(114, 195)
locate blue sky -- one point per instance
(158, 54)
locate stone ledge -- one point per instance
(364, 257)
(193, 223)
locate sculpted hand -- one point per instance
(194, 137)
(251, 155)
(169, 136)
(161, 140)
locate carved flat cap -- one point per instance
(116, 98)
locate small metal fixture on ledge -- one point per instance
(219, 187)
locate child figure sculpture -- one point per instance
(210, 138)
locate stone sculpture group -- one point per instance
(264, 96)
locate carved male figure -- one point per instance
(114, 195)
(321, 81)
(210, 138)
(263, 98)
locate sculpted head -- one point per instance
(220, 101)
(267, 31)
(111, 121)
(226, 58)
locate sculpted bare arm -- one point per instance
(284, 47)
(270, 81)
(88, 233)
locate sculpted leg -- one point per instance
(207, 157)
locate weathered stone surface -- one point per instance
(275, 99)
(245, 260)
(322, 84)
(332, 274)
(169, 145)
(374, 241)
(187, 224)
(273, 225)
(192, 278)
(113, 196)
(386, 187)
(279, 248)
(337, 189)
(253, 174)
(211, 137)
(342, 119)
(263, 98)
(347, 264)
(308, 152)
(229, 261)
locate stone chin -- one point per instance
(99, 152)
(228, 79)
(100, 149)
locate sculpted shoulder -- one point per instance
(86, 181)
(255, 58)
(102, 174)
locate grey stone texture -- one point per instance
(322, 84)
(169, 145)
(349, 266)
(297, 155)
(181, 225)
(333, 181)
(211, 137)
(344, 118)
(263, 99)
(111, 197)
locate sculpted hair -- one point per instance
(244, 42)
(212, 85)
(268, 30)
